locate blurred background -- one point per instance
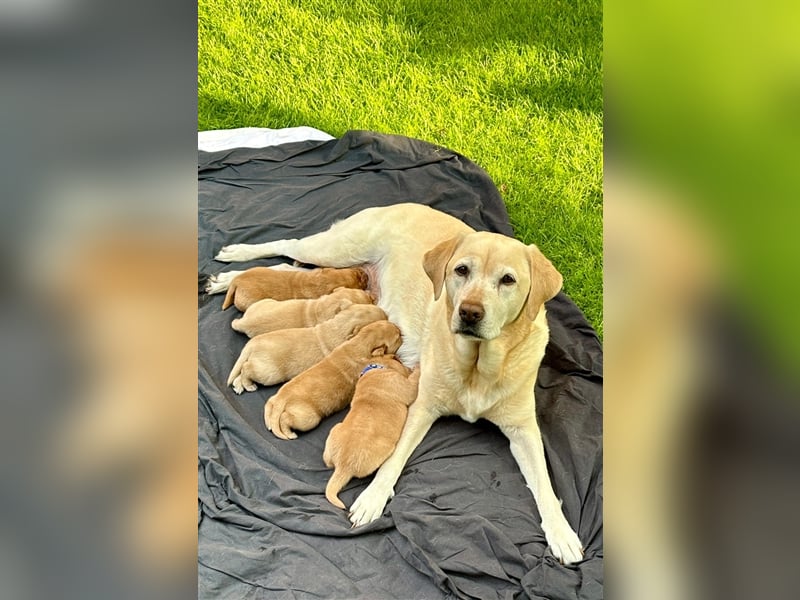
(98, 342)
(702, 438)
(98, 335)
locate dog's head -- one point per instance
(490, 281)
(391, 362)
(352, 296)
(354, 318)
(380, 337)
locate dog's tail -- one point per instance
(237, 366)
(338, 480)
(284, 427)
(230, 295)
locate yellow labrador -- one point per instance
(470, 306)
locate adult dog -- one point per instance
(470, 306)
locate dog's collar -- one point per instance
(369, 368)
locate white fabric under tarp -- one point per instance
(255, 137)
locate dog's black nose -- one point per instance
(470, 313)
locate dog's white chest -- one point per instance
(477, 396)
(475, 405)
(473, 383)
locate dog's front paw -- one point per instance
(564, 543)
(237, 253)
(369, 505)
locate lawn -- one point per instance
(515, 85)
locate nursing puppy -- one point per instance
(278, 356)
(281, 284)
(270, 315)
(360, 444)
(328, 386)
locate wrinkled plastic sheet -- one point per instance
(462, 523)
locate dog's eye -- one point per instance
(462, 270)
(507, 279)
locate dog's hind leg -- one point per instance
(347, 243)
(242, 383)
(221, 281)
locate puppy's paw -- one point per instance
(369, 505)
(237, 253)
(564, 543)
(240, 386)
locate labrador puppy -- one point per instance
(328, 386)
(270, 315)
(471, 309)
(357, 446)
(286, 284)
(275, 357)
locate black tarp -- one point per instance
(462, 523)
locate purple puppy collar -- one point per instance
(369, 367)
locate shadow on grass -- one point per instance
(580, 91)
(569, 28)
(570, 34)
(479, 27)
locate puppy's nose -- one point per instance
(470, 313)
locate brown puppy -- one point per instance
(278, 356)
(270, 315)
(278, 284)
(328, 386)
(360, 444)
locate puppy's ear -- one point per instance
(546, 281)
(435, 263)
(380, 350)
(362, 279)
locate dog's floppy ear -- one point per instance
(362, 279)
(380, 350)
(546, 281)
(353, 332)
(435, 263)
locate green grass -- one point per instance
(514, 85)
